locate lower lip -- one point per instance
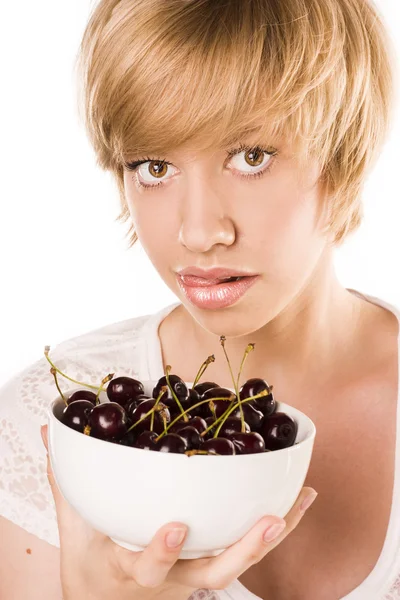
(217, 296)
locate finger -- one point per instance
(218, 572)
(150, 567)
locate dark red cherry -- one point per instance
(252, 387)
(206, 385)
(76, 414)
(129, 439)
(247, 443)
(252, 416)
(172, 442)
(219, 445)
(177, 385)
(108, 420)
(181, 391)
(209, 421)
(198, 423)
(233, 425)
(279, 431)
(220, 406)
(82, 395)
(123, 390)
(192, 437)
(194, 398)
(131, 406)
(147, 441)
(158, 422)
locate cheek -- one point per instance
(155, 224)
(285, 230)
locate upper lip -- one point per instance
(215, 273)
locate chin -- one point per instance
(231, 322)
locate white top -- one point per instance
(132, 348)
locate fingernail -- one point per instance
(175, 537)
(308, 501)
(273, 531)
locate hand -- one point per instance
(94, 567)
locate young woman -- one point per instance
(240, 135)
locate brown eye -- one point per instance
(254, 158)
(157, 169)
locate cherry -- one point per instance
(76, 414)
(209, 421)
(108, 420)
(202, 387)
(219, 445)
(279, 431)
(177, 385)
(247, 443)
(82, 395)
(147, 441)
(220, 406)
(122, 390)
(172, 442)
(252, 387)
(129, 439)
(192, 437)
(131, 406)
(233, 425)
(198, 423)
(159, 416)
(252, 416)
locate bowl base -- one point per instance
(185, 554)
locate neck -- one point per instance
(305, 343)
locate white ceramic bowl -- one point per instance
(128, 493)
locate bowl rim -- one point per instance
(310, 435)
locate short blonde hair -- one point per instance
(156, 75)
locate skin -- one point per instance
(316, 341)
(327, 352)
(207, 215)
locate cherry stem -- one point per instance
(186, 411)
(163, 389)
(230, 410)
(160, 407)
(263, 393)
(167, 371)
(249, 348)
(203, 367)
(104, 381)
(46, 353)
(222, 340)
(54, 373)
(194, 452)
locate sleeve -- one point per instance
(25, 496)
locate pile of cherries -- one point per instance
(205, 419)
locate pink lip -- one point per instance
(212, 296)
(214, 273)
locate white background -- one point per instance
(65, 267)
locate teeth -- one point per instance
(230, 279)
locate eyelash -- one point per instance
(133, 166)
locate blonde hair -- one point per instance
(156, 75)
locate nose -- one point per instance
(204, 222)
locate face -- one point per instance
(255, 211)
